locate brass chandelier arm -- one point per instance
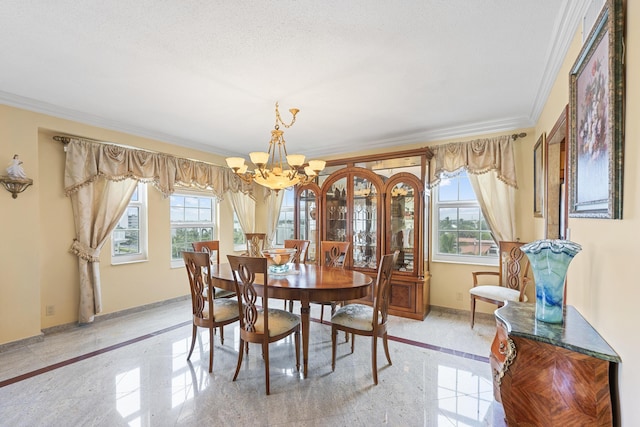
(270, 171)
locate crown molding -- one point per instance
(568, 22)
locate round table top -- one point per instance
(324, 283)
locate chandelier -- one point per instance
(270, 166)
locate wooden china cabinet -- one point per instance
(379, 204)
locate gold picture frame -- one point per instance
(538, 176)
(596, 114)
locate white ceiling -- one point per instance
(364, 73)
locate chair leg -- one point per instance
(193, 340)
(385, 343)
(297, 339)
(473, 311)
(221, 335)
(290, 306)
(240, 354)
(334, 335)
(321, 312)
(265, 356)
(211, 349)
(374, 358)
(353, 341)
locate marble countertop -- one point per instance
(575, 333)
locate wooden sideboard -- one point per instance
(552, 374)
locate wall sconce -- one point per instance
(15, 181)
(15, 185)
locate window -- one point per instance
(129, 237)
(239, 239)
(461, 233)
(284, 229)
(193, 219)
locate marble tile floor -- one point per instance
(132, 371)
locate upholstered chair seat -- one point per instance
(499, 293)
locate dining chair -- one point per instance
(361, 319)
(212, 247)
(208, 312)
(333, 254)
(301, 247)
(512, 279)
(261, 325)
(255, 244)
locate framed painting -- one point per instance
(538, 176)
(596, 113)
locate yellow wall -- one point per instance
(37, 229)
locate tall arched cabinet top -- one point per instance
(379, 204)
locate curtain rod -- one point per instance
(518, 135)
(67, 139)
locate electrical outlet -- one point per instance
(50, 310)
(459, 296)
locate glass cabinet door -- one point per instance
(335, 210)
(404, 206)
(308, 212)
(365, 223)
(402, 225)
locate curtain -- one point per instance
(245, 209)
(477, 157)
(96, 211)
(490, 165)
(274, 203)
(497, 202)
(100, 179)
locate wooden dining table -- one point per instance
(305, 283)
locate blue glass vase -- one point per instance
(549, 261)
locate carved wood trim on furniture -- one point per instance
(554, 374)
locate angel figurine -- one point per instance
(15, 170)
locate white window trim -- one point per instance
(435, 236)
(215, 218)
(143, 255)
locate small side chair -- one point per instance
(371, 321)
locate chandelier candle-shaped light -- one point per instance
(270, 166)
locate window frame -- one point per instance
(285, 227)
(214, 224)
(436, 256)
(142, 204)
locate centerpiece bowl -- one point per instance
(279, 259)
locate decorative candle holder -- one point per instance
(549, 261)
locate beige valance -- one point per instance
(477, 157)
(88, 160)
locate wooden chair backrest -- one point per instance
(301, 247)
(209, 246)
(334, 254)
(514, 265)
(245, 272)
(383, 288)
(197, 265)
(255, 243)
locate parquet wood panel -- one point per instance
(549, 385)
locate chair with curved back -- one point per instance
(300, 257)
(208, 312)
(512, 279)
(362, 319)
(255, 244)
(262, 325)
(333, 254)
(212, 247)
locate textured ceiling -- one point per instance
(364, 73)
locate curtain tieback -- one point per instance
(85, 252)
